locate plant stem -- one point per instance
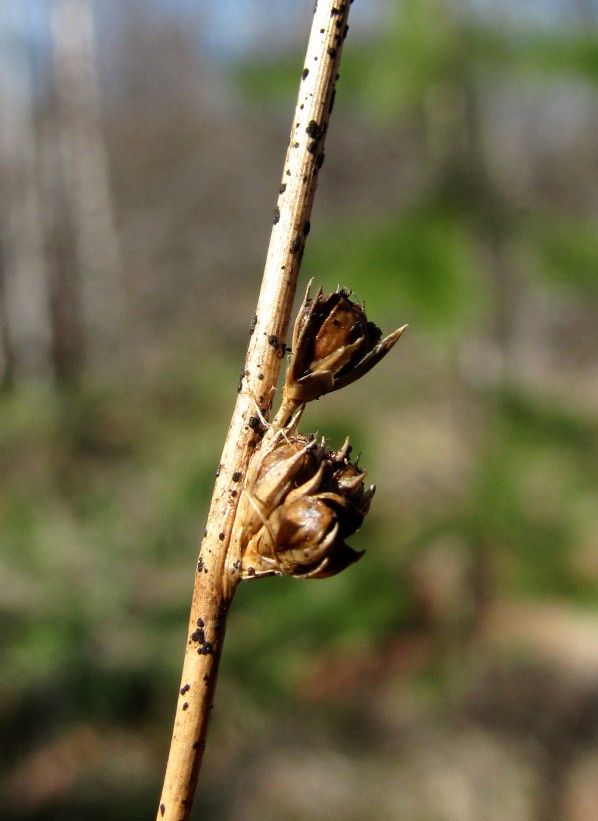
(216, 578)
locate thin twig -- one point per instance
(214, 583)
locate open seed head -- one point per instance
(304, 535)
(334, 344)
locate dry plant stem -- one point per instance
(216, 577)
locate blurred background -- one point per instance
(452, 675)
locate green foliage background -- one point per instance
(480, 429)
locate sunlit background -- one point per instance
(451, 675)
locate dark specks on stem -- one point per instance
(314, 130)
(282, 188)
(205, 647)
(162, 809)
(331, 52)
(278, 346)
(199, 636)
(304, 73)
(276, 217)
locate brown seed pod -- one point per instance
(333, 345)
(284, 460)
(281, 463)
(303, 534)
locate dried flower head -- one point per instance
(333, 345)
(299, 505)
(282, 462)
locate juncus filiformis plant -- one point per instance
(301, 500)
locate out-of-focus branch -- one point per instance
(86, 169)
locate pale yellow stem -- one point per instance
(216, 578)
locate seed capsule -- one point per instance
(333, 345)
(321, 501)
(280, 465)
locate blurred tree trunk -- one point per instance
(85, 166)
(68, 348)
(26, 335)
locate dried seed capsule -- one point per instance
(279, 466)
(284, 460)
(303, 536)
(333, 345)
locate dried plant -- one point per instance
(283, 503)
(333, 345)
(301, 502)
